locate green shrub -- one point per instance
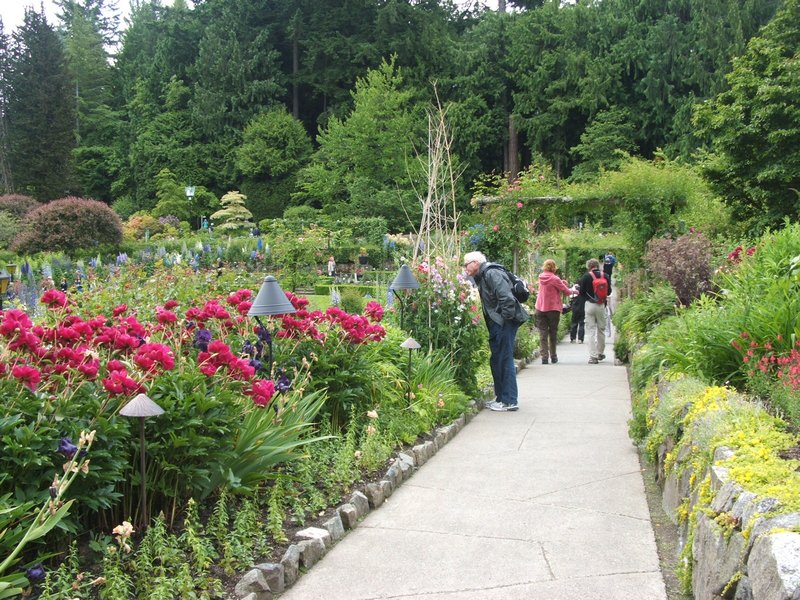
(67, 225)
(352, 301)
(9, 228)
(635, 318)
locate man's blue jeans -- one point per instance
(504, 371)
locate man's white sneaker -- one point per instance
(500, 407)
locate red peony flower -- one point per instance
(28, 376)
(54, 299)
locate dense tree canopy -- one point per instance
(756, 125)
(184, 90)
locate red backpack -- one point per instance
(600, 287)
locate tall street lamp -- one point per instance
(270, 301)
(404, 280)
(189, 191)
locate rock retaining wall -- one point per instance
(742, 546)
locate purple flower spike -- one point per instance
(66, 447)
(35, 573)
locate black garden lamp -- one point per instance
(271, 301)
(404, 280)
(12, 269)
(142, 407)
(411, 344)
(5, 279)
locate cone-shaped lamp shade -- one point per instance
(404, 280)
(270, 300)
(411, 344)
(141, 406)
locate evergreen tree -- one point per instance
(40, 111)
(366, 164)
(97, 124)
(6, 181)
(233, 217)
(756, 126)
(274, 147)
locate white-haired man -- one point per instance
(503, 315)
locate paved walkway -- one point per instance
(546, 503)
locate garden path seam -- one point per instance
(435, 539)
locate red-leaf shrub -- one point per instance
(684, 262)
(68, 224)
(18, 204)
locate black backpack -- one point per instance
(519, 288)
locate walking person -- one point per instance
(331, 266)
(577, 325)
(503, 315)
(549, 304)
(594, 288)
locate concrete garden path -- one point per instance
(546, 503)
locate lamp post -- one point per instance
(142, 407)
(12, 269)
(189, 191)
(5, 279)
(270, 302)
(410, 344)
(404, 280)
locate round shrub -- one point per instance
(69, 224)
(18, 205)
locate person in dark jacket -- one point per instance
(503, 315)
(577, 325)
(595, 311)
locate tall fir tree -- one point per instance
(41, 111)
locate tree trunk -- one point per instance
(295, 75)
(501, 6)
(512, 161)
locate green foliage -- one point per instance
(9, 228)
(650, 193)
(172, 198)
(444, 314)
(245, 541)
(274, 147)
(755, 165)
(266, 439)
(365, 164)
(636, 317)
(298, 251)
(351, 300)
(608, 138)
(39, 110)
(67, 225)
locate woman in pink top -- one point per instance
(548, 309)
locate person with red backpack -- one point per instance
(594, 288)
